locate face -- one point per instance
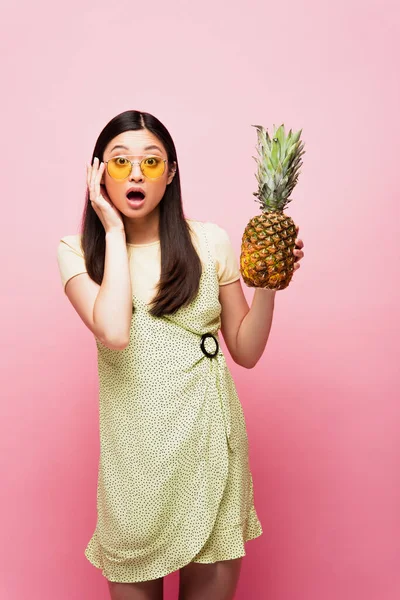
(136, 146)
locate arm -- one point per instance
(106, 309)
(246, 330)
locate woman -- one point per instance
(175, 489)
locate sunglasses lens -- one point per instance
(118, 167)
(153, 167)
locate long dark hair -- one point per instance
(180, 264)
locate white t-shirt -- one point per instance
(144, 259)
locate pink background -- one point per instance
(322, 404)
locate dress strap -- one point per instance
(206, 240)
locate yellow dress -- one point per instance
(174, 482)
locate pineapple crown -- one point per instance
(278, 167)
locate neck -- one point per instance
(142, 230)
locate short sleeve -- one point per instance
(70, 258)
(226, 260)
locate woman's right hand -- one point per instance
(108, 214)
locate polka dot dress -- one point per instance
(174, 483)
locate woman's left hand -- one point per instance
(296, 251)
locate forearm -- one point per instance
(113, 306)
(255, 327)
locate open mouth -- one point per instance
(135, 196)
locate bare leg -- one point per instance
(142, 590)
(218, 581)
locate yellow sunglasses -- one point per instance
(120, 167)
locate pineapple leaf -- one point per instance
(279, 162)
(275, 153)
(296, 136)
(280, 134)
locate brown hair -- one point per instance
(180, 264)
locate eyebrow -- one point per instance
(151, 147)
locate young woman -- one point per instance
(175, 489)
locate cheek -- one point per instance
(115, 192)
(157, 188)
(114, 187)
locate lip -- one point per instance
(135, 189)
(136, 203)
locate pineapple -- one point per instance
(267, 258)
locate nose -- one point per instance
(136, 173)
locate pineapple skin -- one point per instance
(266, 258)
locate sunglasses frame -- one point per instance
(137, 162)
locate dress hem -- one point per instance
(252, 530)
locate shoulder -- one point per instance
(70, 257)
(70, 243)
(70, 254)
(214, 232)
(221, 248)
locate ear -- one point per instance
(171, 173)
